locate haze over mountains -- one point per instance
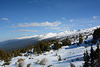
(10, 45)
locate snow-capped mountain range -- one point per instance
(25, 41)
(61, 34)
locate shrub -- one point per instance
(86, 37)
(85, 46)
(49, 65)
(85, 42)
(35, 53)
(65, 59)
(15, 62)
(19, 60)
(29, 58)
(20, 65)
(6, 63)
(28, 65)
(43, 61)
(72, 65)
(72, 60)
(20, 55)
(59, 59)
(26, 55)
(78, 44)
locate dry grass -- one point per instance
(19, 60)
(43, 61)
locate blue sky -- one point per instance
(19, 18)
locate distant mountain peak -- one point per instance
(61, 34)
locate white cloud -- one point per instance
(94, 17)
(53, 28)
(63, 18)
(71, 20)
(23, 34)
(4, 18)
(39, 24)
(12, 26)
(64, 29)
(25, 31)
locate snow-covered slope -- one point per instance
(68, 54)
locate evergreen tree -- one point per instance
(96, 33)
(47, 48)
(97, 50)
(14, 53)
(39, 50)
(23, 50)
(66, 42)
(34, 50)
(92, 55)
(57, 46)
(98, 55)
(80, 40)
(86, 59)
(98, 60)
(86, 37)
(2, 54)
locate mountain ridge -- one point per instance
(25, 41)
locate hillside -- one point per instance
(62, 57)
(10, 45)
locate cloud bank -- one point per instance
(39, 24)
(4, 18)
(25, 31)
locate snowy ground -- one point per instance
(67, 53)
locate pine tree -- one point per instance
(86, 37)
(47, 47)
(98, 55)
(2, 54)
(66, 42)
(57, 46)
(97, 50)
(80, 40)
(39, 50)
(96, 33)
(23, 50)
(92, 55)
(86, 59)
(34, 50)
(98, 60)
